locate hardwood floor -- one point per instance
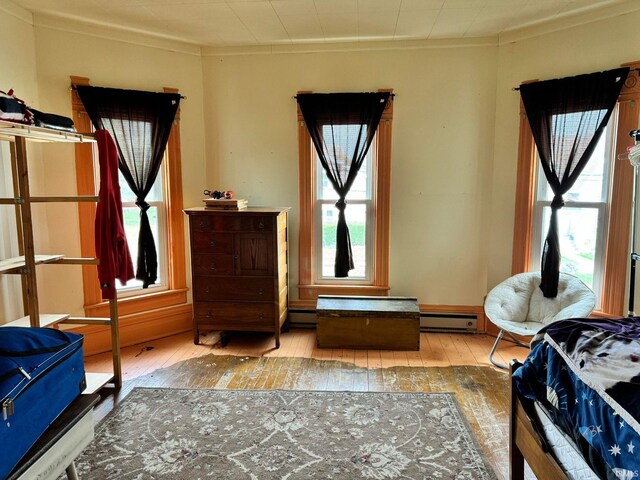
(436, 350)
(455, 363)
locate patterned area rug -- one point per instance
(262, 435)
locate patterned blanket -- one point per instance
(586, 373)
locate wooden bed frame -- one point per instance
(524, 443)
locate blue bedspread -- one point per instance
(586, 372)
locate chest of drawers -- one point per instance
(239, 264)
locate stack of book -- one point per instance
(225, 204)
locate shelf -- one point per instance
(17, 264)
(46, 320)
(10, 129)
(95, 381)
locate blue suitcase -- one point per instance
(41, 373)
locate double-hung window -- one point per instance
(367, 215)
(157, 214)
(594, 226)
(359, 215)
(582, 222)
(165, 217)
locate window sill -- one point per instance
(139, 303)
(311, 292)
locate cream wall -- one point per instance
(441, 158)
(587, 48)
(117, 63)
(16, 42)
(454, 141)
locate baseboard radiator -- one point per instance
(429, 322)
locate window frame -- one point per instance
(369, 204)
(144, 299)
(617, 229)
(309, 285)
(602, 206)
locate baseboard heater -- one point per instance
(429, 322)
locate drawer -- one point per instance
(257, 289)
(209, 242)
(213, 264)
(230, 314)
(232, 223)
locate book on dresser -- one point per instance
(239, 265)
(226, 203)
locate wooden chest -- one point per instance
(387, 323)
(239, 265)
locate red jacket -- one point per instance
(111, 242)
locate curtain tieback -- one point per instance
(144, 206)
(557, 203)
(341, 204)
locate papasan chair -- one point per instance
(517, 305)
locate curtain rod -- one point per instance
(73, 87)
(295, 97)
(515, 89)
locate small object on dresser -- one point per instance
(224, 204)
(218, 194)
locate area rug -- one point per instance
(273, 434)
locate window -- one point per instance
(367, 215)
(612, 233)
(583, 219)
(167, 223)
(359, 215)
(157, 219)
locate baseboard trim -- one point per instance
(138, 328)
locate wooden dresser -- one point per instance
(239, 264)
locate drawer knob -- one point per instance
(209, 314)
(260, 292)
(235, 256)
(213, 266)
(212, 243)
(261, 225)
(261, 316)
(207, 290)
(203, 224)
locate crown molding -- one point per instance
(107, 31)
(350, 46)
(14, 10)
(569, 20)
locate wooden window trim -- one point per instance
(307, 288)
(617, 237)
(85, 180)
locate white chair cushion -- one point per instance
(517, 305)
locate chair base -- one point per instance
(495, 346)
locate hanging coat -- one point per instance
(111, 242)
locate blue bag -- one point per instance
(41, 373)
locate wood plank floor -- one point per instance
(436, 350)
(455, 363)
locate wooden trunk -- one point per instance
(386, 323)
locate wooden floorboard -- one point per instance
(250, 361)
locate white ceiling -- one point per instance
(219, 23)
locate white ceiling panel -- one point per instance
(454, 22)
(303, 27)
(417, 24)
(248, 22)
(294, 7)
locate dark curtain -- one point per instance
(140, 123)
(567, 118)
(342, 127)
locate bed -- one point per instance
(575, 402)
